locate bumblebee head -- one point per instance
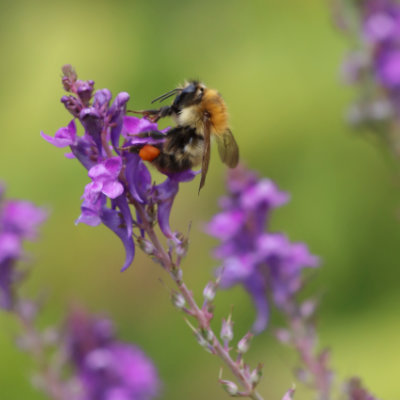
(191, 93)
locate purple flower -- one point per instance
(19, 220)
(263, 262)
(121, 181)
(104, 180)
(106, 368)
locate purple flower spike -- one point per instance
(263, 262)
(120, 180)
(106, 368)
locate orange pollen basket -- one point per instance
(149, 153)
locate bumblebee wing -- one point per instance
(206, 151)
(228, 149)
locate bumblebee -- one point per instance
(199, 113)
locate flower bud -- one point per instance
(230, 387)
(289, 394)
(69, 77)
(85, 90)
(307, 308)
(256, 374)
(208, 334)
(69, 72)
(226, 330)
(181, 244)
(209, 292)
(177, 273)
(244, 343)
(283, 335)
(178, 300)
(92, 121)
(146, 246)
(72, 105)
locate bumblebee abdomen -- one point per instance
(182, 150)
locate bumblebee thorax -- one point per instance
(214, 105)
(189, 116)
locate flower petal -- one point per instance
(65, 136)
(123, 205)
(112, 219)
(83, 151)
(138, 177)
(113, 165)
(10, 246)
(117, 111)
(134, 125)
(165, 194)
(92, 121)
(112, 189)
(101, 99)
(226, 224)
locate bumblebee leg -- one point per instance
(155, 115)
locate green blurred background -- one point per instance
(276, 63)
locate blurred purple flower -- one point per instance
(106, 368)
(263, 262)
(374, 63)
(19, 220)
(120, 178)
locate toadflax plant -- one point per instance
(82, 359)
(121, 194)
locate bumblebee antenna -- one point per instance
(166, 95)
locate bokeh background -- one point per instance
(276, 63)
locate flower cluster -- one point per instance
(19, 221)
(374, 63)
(105, 368)
(263, 262)
(119, 178)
